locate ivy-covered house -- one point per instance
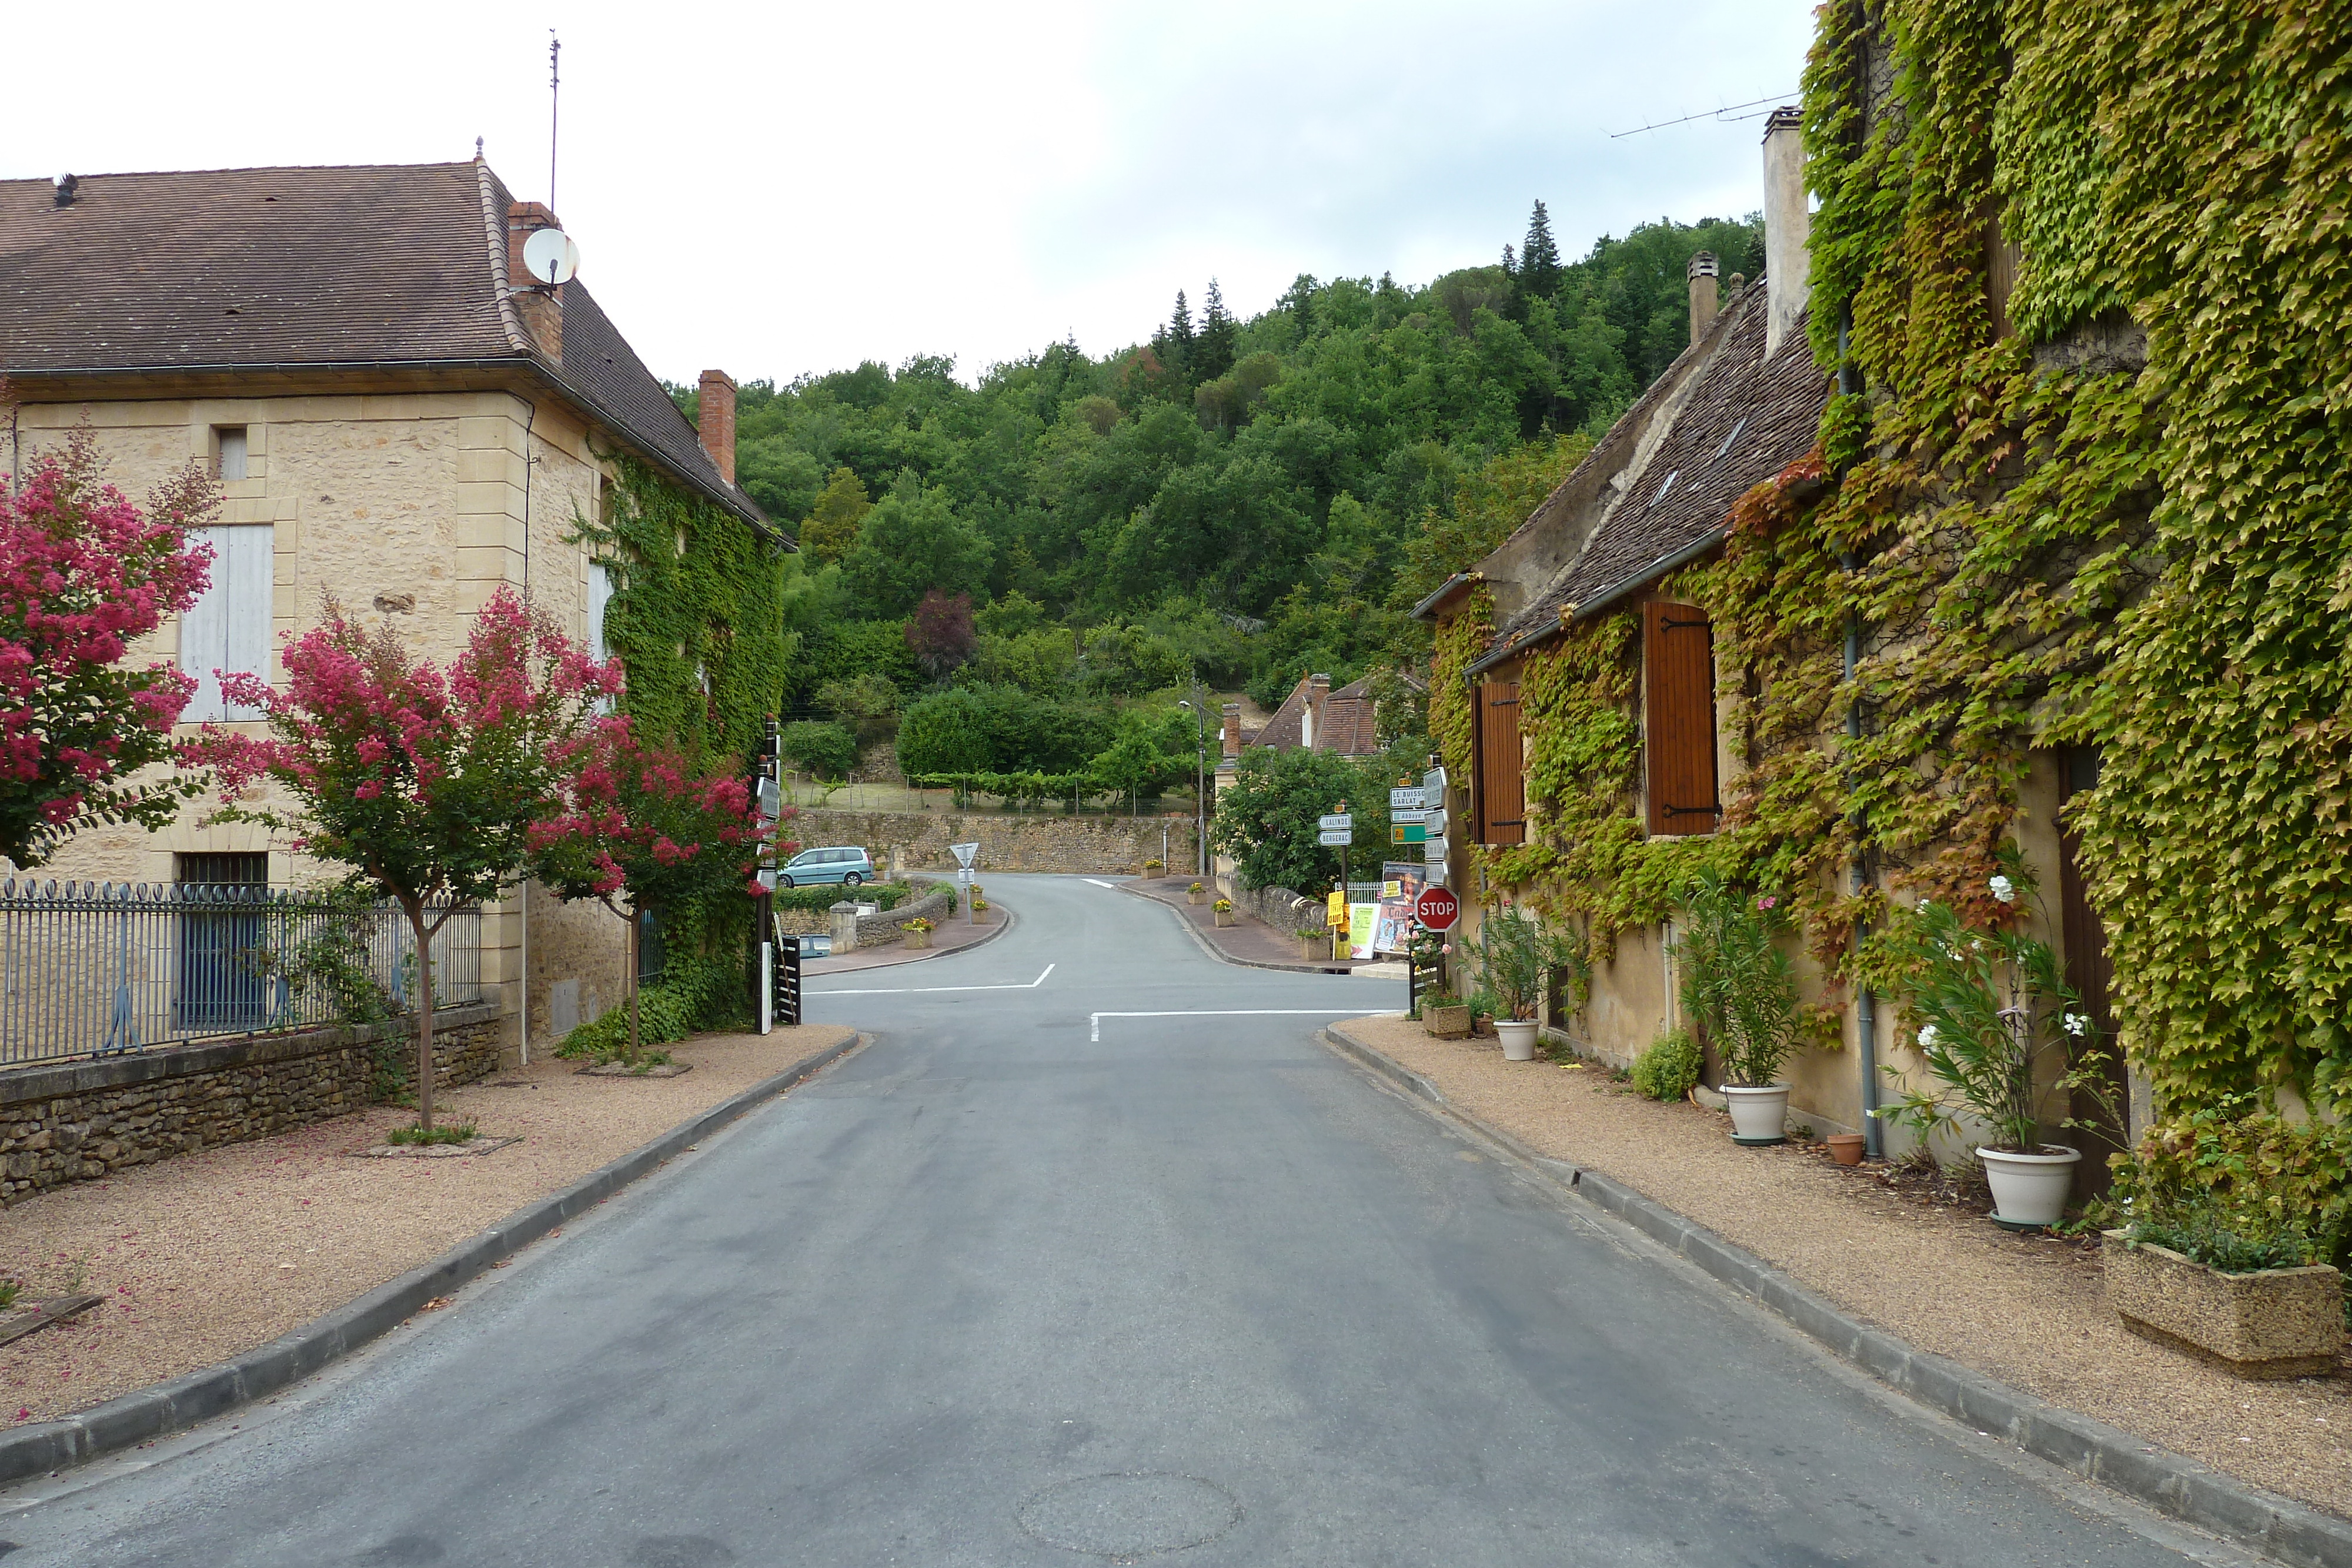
(401, 417)
(2053, 591)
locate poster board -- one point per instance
(1362, 922)
(1401, 885)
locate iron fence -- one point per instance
(98, 969)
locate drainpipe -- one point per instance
(1865, 1002)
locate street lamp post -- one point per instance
(1200, 778)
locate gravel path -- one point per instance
(2029, 1310)
(205, 1256)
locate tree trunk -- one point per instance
(415, 911)
(637, 918)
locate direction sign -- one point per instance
(1437, 909)
(1407, 800)
(1434, 851)
(1408, 833)
(1407, 814)
(1336, 821)
(1435, 820)
(1337, 838)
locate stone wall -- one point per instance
(881, 928)
(1098, 845)
(78, 1121)
(1275, 906)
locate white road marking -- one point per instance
(1098, 882)
(1094, 1020)
(920, 990)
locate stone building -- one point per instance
(400, 416)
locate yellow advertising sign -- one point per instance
(1335, 910)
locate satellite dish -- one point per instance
(550, 256)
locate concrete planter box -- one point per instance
(919, 938)
(1191, 897)
(1224, 917)
(1314, 950)
(1447, 1023)
(2280, 1322)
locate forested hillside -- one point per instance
(1245, 499)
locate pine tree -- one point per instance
(1180, 337)
(1510, 262)
(1213, 352)
(832, 523)
(1539, 257)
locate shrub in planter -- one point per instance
(1196, 894)
(2253, 1304)
(1669, 1070)
(1445, 1015)
(2005, 1037)
(1517, 956)
(918, 932)
(1740, 989)
(1224, 910)
(1152, 868)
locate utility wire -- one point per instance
(1727, 114)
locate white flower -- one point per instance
(2077, 1024)
(2004, 890)
(1927, 1036)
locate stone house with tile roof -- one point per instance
(399, 414)
(1740, 404)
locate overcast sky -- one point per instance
(784, 188)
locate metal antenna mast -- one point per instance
(554, 94)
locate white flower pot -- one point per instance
(1759, 1115)
(2030, 1190)
(1518, 1036)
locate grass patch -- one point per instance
(448, 1133)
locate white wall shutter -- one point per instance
(228, 627)
(600, 594)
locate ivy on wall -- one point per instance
(2041, 548)
(1459, 641)
(696, 619)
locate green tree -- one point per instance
(1539, 256)
(827, 750)
(834, 516)
(947, 732)
(1267, 819)
(911, 543)
(1212, 350)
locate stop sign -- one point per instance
(1437, 909)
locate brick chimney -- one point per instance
(1788, 224)
(1233, 730)
(719, 421)
(539, 305)
(1704, 300)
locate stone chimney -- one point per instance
(1787, 225)
(719, 421)
(1310, 723)
(539, 305)
(1704, 302)
(1232, 731)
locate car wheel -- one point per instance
(853, 879)
(783, 882)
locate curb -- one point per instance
(998, 929)
(2170, 1483)
(199, 1395)
(1221, 956)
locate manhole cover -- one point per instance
(1125, 1517)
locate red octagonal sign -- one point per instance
(1437, 909)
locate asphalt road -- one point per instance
(1104, 1262)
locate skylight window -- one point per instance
(1667, 488)
(1723, 450)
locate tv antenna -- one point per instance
(554, 94)
(1727, 114)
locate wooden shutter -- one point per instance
(1502, 783)
(227, 628)
(1678, 719)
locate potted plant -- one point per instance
(979, 906)
(918, 932)
(1315, 943)
(1445, 1015)
(1152, 868)
(1196, 894)
(1517, 955)
(1223, 911)
(1740, 989)
(2190, 1276)
(2001, 1035)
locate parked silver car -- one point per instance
(813, 868)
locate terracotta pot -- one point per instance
(1485, 1027)
(1846, 1148)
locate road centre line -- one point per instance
(1094, 1020)
(1098, 882)
(920, 990)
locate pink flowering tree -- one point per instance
(84, 574)
(644, 827)
(424, 783)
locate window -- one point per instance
(233, 464)
(222, 984)
(600, 595)
(228, 627)
(1678, 719)
(1500, 807)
